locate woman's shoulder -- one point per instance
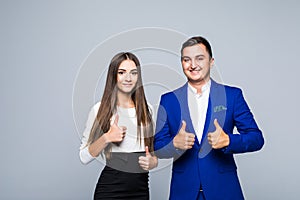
(150, 107)
(94, 109)
(96, 105)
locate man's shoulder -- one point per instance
(174, 92)
(228, 88)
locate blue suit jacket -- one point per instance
(202, 166)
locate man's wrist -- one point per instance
(227, 141)
(175, 145)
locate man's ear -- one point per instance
(212, 62)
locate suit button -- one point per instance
(200, 151)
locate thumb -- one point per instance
(217, 125)
(183, 126)
(116, 121)
(147, 151)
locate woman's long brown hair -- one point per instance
(109, 103)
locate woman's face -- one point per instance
(127, 76)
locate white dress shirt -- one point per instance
(198, 104)
(130, 143)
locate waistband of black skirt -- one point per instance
(125, 161)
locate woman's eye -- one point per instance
(134, 73)
(121, 73)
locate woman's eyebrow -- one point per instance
(125, 70)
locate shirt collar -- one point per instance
(204, 88)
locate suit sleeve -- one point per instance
(250, 137)
(163, 139)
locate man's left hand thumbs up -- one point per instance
(218, 139)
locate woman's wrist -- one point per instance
(106, 139)
(154, 162)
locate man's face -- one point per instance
(196, 64)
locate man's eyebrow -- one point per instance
(182, 57)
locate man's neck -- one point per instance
(198, 85)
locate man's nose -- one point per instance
(194, 63)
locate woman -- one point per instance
(121, 129)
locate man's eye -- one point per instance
(186, 60)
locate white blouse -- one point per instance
(130, 143)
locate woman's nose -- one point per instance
(128, 77)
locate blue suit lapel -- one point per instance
(216, 104)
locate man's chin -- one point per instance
(196, 80)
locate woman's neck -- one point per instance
(124, 100)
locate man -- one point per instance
(195, 127)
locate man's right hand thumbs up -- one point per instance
(116, 133)
(184, 140)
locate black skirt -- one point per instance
(123, 178)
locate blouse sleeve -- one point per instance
(84, 154)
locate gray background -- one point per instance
(44, 44)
